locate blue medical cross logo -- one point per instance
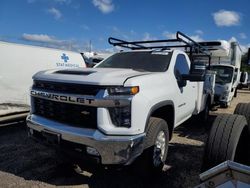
(65, 58)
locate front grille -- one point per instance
(67, 87)
(74, 115)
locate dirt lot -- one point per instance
(25, 163)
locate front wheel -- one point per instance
(155, 145)
(225, 104)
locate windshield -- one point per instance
(223, 74)
(139, 61)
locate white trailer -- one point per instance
(226, 61)
(19, 62)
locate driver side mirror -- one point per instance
(243, 77)
(181, 81)
(197, 72)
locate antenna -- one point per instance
(90, 46)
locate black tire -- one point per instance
(155, 126)
(225, 104)
(243, 109)
(236, 92)
(228, 140)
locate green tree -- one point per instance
(245, 67)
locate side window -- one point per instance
(181, 66)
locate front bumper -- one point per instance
(111, 149)
(218, 99)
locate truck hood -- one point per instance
(91, 76)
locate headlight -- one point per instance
(121, 116)
(123, 90)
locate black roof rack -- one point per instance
(181, 41)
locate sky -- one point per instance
(78, 24)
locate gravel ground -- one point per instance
(25, 163)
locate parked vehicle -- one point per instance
(19, 62)
(226, 61)
(126, 106)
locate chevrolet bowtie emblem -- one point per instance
(85, 112)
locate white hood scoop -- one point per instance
(90, 76)
(74, 72)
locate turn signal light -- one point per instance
(123, 90)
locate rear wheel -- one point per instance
(229, 139)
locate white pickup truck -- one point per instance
(126, 106)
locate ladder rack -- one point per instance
(181, 41)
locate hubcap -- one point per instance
(159, 148)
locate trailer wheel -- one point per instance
(243, 109)
(229, 139)
(155, 146)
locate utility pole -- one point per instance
(90, 46)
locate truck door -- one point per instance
(186, 93)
